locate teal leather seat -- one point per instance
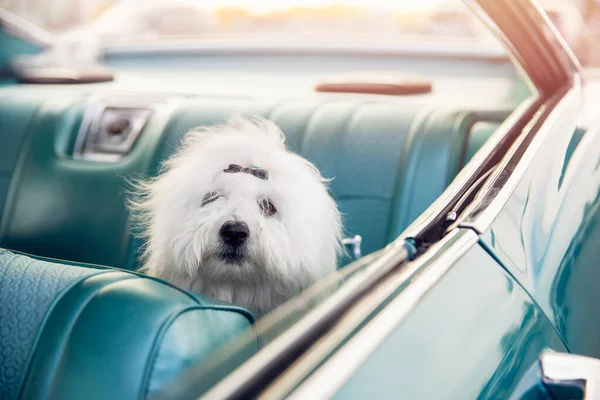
(390, 159)
(88, 332)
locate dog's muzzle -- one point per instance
(233, 236)
(234, 233)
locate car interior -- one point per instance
(69, 152)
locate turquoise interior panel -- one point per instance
(17, 111)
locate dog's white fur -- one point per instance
(285, 252)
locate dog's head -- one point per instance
(234, 206)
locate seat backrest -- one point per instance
(360, 144)
(88, 332)
(390, 159)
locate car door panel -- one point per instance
(473, 335)
(547, 233)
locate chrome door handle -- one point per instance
(564, 371)
(560, 376)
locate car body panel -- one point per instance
(547, 234)
(472, 336)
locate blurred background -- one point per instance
(357, 21)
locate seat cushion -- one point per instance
(72, 332)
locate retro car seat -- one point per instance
(89, 332)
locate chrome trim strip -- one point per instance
(236, 381)
(335, 371)
(25, 29)
(512, 52)
(570, 370)
(473, 168)
(470, 172)
(529, 35)
(562, 51)
(480, 214)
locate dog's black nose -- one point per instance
(234, 233)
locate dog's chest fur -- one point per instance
(257, 299)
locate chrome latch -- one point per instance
(353, 244)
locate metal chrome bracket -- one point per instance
(110, 128)
(353, 244)
(565, 374)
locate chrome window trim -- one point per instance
(337, 369)
(471, 171)
(528, 64)
(512, 52)
(558, 66)
(532, 40)
(482, 212)
(562, 51)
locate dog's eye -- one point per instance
(209, 198)
(266, 207)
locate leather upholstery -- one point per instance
(16, 112)
(480, 132)
(74, 332)
(24, 299)
(389, 159)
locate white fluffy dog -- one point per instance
(237, 217)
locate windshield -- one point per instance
(319, 21)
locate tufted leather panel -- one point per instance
(72, 332)
(390, 160)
